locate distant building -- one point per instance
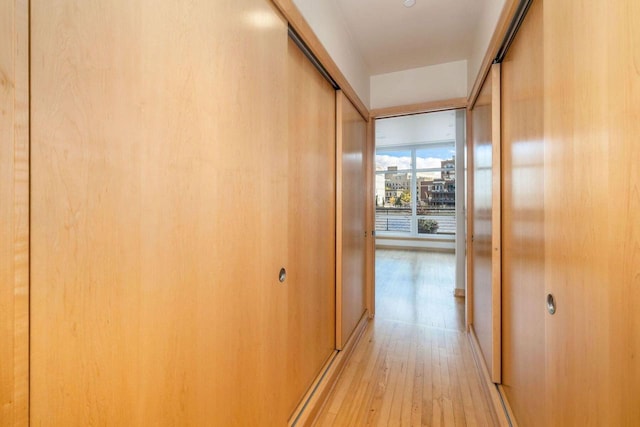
(440, 193)
(449, 167)
(395, 184)
(432, 193)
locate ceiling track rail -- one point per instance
(307, 52)
(521, 12)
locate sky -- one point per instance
(425, 159)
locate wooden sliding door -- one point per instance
(351, 244)
(523, 353)
(571, 223)
(312, 223)
(485, 206)
(592, 211)
(14, 212)
(175, 166)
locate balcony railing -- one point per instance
(399, 219)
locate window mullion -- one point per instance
(414, 194)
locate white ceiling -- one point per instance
(391, 37)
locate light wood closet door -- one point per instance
(14, 212)
(352, 140)
(312, 224)
(486, 222)
(592, 211)
(523, 352)
(159, 134)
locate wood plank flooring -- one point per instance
(413, 366)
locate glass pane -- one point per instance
(442, 222)
(393, 160)
(393, 190)
(393, 202)
(435, 192)
(437, 157)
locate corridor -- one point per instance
(413, 365)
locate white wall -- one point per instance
(416, 129)
(327, 23)
(486, 26)
(432, 83)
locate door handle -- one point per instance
(551, 304)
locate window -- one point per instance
(416, 174)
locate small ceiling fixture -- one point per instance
(408, 3)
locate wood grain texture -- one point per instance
(311, 188)
(317, 397)
(623, 254)
(490, 389)
(496, 225)
(14, 213)
(370, 219)
(468, 271)
(592, 220)
(353, 216)
(523, 345)
(507, 407)
(417, 287)
(158, 138)
(340, 340)
(423, 107)
(482, 211)
(302, 28)
(406, 373)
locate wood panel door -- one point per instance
(592, 211)
(523, 343)
(351, 195)
(486, 221)
(159, 135)
(14, 213)
(311, 292)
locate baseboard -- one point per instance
(459, 293)
(416, 248)
(490, 389)
(507, 407)
(308, 410)
(434, 244)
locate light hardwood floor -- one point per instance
(413, 366)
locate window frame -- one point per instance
(414, 171)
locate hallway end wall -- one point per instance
(417, 85)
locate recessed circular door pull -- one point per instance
(283, 275)
(551, 304)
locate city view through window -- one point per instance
(415, 189)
